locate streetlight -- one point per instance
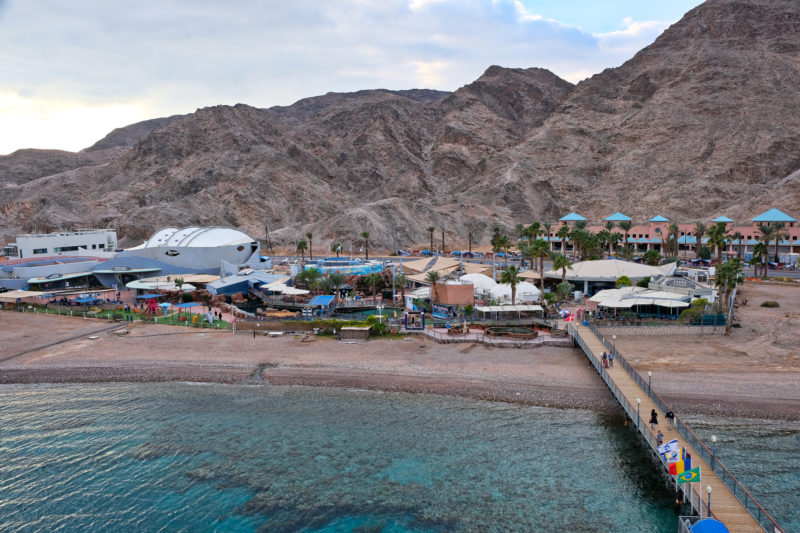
(714, 445)
(708, 502)
(638, 407)
(649, 381)
(614, 345)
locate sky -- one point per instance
(73, 70)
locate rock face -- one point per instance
(702, 122)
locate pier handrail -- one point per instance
(752, 506)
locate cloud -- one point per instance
(173, 57)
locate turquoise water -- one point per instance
(764, 455)
(153, 457)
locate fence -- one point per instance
(121, 316)
(661, 330)
(745, 498)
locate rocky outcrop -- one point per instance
(702, 122)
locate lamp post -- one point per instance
(638, 407)
(614, 344)
(649, 381)
(708, 502)
(713, 450)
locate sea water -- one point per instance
(196, 457)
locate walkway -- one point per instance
(724, 505)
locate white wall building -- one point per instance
(90, 242)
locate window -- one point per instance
(94, 246)
(40, 250)
(101, 245)
(66, 249)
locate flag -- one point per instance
(690, 476)
(668, 447)
(570, 318)
(676, 468)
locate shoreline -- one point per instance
(72, 350)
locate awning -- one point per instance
(284, 289)
(148, 296)
(60, 277)
(87, 300)
(187, 305)
(125, 271)
(13, 296)
(508, 308)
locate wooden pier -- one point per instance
(739, 512)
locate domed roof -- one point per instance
(197, 237)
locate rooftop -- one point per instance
(774, 215)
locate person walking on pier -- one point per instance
(660, 438)
(611, 358)
(670, 416)
(653, 419)
(605, 360)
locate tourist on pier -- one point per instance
(611, 359)
(605, 360)
(670, 416)
(660, 438)
(653, 419)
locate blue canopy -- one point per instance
(164, 304)
(186, 305)
(148, 296)
(323, 301)
(86, 300)
(709, 525)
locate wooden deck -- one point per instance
(725, 507)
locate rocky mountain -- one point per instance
(702, 122)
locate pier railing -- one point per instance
(739, 491)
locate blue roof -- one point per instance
(774, 215)
(149, 296)
(572, 217)
(187, 305)
(321, 300)
(86, 300)
(618, 217)
(659, 218)
(722, 219)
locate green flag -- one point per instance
(690, 476)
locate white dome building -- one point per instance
(189, 250)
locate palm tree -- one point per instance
(336, 247)
(563, 233)
(310, 237)
(604, 238)
(737, 238)
(431, 229)
(540, 250)
(717, 234)
(433, 278)
(758, 259)
(373, 280)
(626, 226)
(443, 246)
(609, 225)
(672, 238)
(533, 231)
(338, 279)
(302, 246)
(700, 230)
(779, 235)
(725, 279)
(511, 277)
(547, 226)
(399, 281)
(561, 262)
(365, 235)
(613, 240)
(525, 249)
(505, 244)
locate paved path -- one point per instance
(724, 505)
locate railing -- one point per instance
(745, 498)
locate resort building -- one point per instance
(592, 276)
(88, 242)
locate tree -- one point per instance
(726, 279)
(717, 235)
(302, 246)
(400, 281)
(623, 281)
(336, 247)
(547, 227)
(511, 277)
(613, 240)
(609, 225)
(563, 233)
(338, 279)
(564, 289)
(539, 250)
(672, 239)
(778, 234)
(325, 285)
(737, 238)
(699, 231)
(373, 280)
(604, 238)
(561, 262)
(533, 231)
(179, 283)
(704, 253)
(758, 259)
(365, 236)
(431, 229)
(652, 257)
(310, 237)
(626, 226)
(433, 278)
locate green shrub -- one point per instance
(644, 282)
(186, 297)
(770, 303)
(378, 328)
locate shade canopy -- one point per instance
(148, 296)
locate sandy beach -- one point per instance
(752, 373)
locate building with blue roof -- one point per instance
(658, 218)
(572, 217)
(618, 217)
(774, 215)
